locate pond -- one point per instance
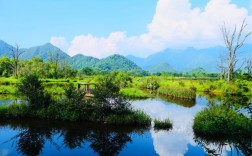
(36, 137)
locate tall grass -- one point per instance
(162, 124)
(219, 120)
(134, 93)
(178, 92)
(129, 118)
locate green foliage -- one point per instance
(5, 67)
(129, 118)
(107, 97)
(88, 71)
(134, 93)
(220, 120)
(33, 90)
(151, 83)
(178, 92)
(13, 111)
(162, 124)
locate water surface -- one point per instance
(36, 137)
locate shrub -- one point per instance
(33, 90)
(219, 120)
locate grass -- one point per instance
(72, 113)
(221, 121)
(162, 124)
(8, 89)
(134, 93)
(178, 92)
(129, 118)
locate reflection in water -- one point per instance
(217, 146)
(104, 140)
(174, 142)
(30, 137)
(179, 101)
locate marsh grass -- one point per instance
(178, 92)
(219, 120)
(165, 124)
(129, 118)
(134, 93)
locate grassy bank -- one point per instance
(134, 93)
(178, 92)
(70, 113)
(222, 121)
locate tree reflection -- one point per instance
(108, 143)
(216, 146)
(103, 139)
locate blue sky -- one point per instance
(100, 28)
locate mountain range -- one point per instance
(188, 59)
(48, 51)
(169, 60)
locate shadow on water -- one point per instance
(103, 139)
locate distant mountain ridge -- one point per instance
(48, 51)
(168, 60)
(188, 59)
(44, 52)
(5, 49)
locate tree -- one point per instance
(5, 67)
(15, 54)
(233, 43)
(55, 60)
(31, 87)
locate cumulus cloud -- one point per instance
(174, 25)
(60, 42)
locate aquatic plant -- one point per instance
(162, 124)
(129, 118)
(134, 93)
(220, 120)
(178, 92)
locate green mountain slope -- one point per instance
(160, 67)
(116, 62)
(197, 70)
(44, 52)
(80, 61)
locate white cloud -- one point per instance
(60, 42)
(174, 25)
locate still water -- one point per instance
(36, 137)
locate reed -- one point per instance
(178, 92)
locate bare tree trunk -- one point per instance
(233, 43)
(15, 54)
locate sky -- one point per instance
(101, 28)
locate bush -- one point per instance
(108, 99)
(33, 90)
(219, 120)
